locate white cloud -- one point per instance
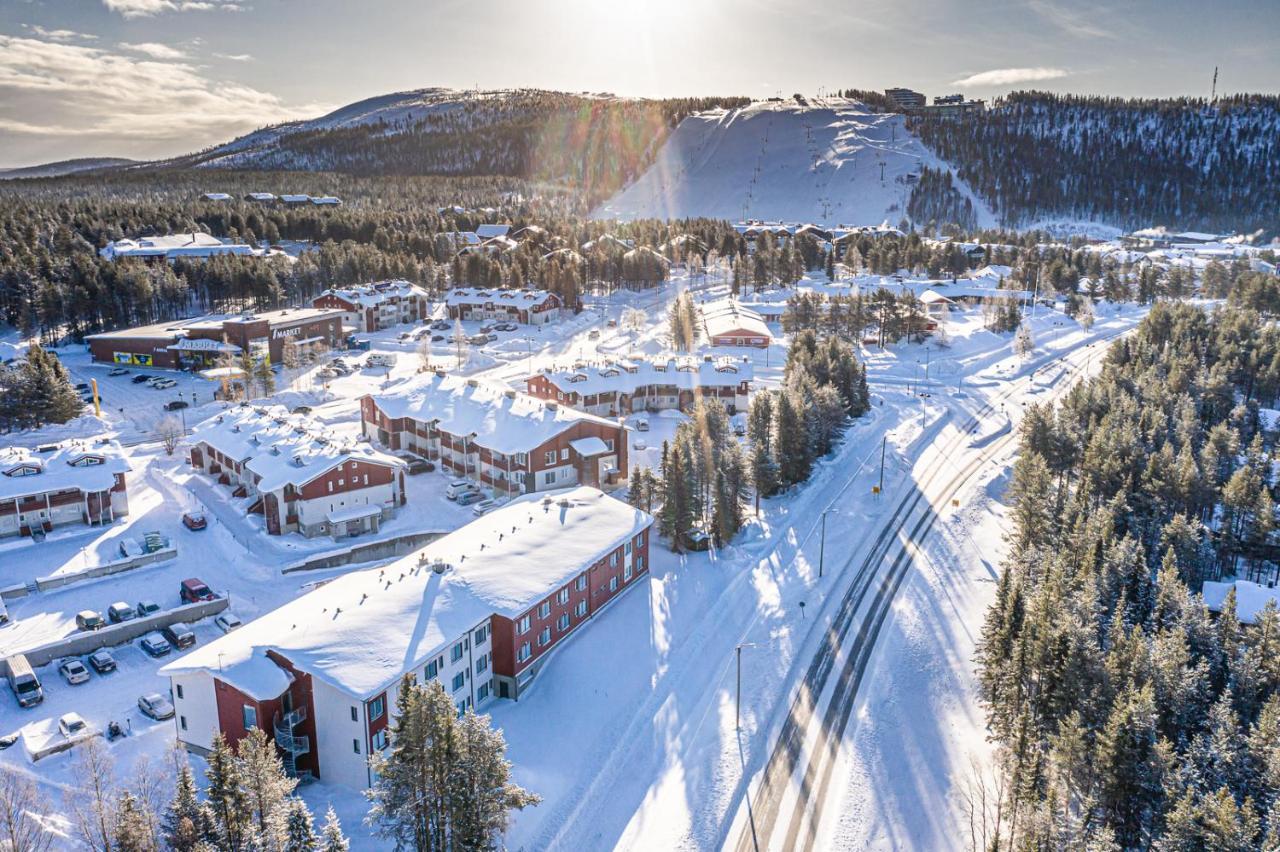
(153, 49)
(234, 57)
(55, 90)
(1009, 76)
(58, 35)
(146, 8)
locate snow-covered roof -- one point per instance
(327, 201)
(295, 199)
(727, 316)
(514, 298)
(217, 196)
(282, 448)
(996, 271)
(462, 238)
(933, 297)
(485, 232)
(1251, 598)
(373, 294)
(361, 631)
(491, 415)
(261, 196)
(86, 466)
(196, 244)
(630, 374)
(608, 241)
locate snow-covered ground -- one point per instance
(830, 161)
(629, 735)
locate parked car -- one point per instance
(73, 672)
(404, 335)
(194, 520)
(90, 620)
(301, 409)
(156, 645)
(457, 488)
(176, 404)
(417, 464)
(436, 338)
(72, 725)
(193, 590)
(156, 706)
(228, 621)
(164, 384)
(179, 635)
(102, 661)
(483, 506)
(468, 497)
(507, 326)
(145, 608)
(594, 334)
(142, 377)
(117, 371)
(439, 325)
(120, 611)
(488, 327)
(642, 425)
(478, 339)
(83, 386)
(421, 333)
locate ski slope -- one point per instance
(832, 161)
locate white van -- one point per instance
(381, 359)
(23, 682)
(459, 487)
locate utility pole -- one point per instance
(822, 543)
(737, 701)
(884, 443)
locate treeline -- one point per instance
(935, 202)
(591, 144)
(1126, 715)
(1182, 162)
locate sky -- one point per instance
(147, 79)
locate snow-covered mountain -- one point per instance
(828, 160)
(65, 167)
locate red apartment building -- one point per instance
(79, 482)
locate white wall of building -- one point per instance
(197, 706)
(336, 733)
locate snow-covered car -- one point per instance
(467, 498)
(483, 506)
(89, 620)
(72, 725)
(73, 672)
(156, 645)
(457, 488)
(102, 661)
(228, 621)
(439, 325)
(117, 371)
(156, 706)
(194, 521)
(120, 611)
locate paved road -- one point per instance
(784, 806)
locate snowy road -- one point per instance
(783, 805)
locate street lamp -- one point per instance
(737, 701)
(822, 543)
(182, 409)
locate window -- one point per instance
(380, 740)
(544, 637)
(482, 633)
(613, 584)
(582, 582)
(626, 573)
(355, 714)
(613, 559)
(562, 623)
(562, 597)
(459, 681)
(482, 663)
(549, 478)
(544, 609)
(376, 708)
(524, 653)
(640, 540)
(182, 720)
(550, 457)
(627, 548)
(581, 609)
(330, 487)
(608, 442)
(179, 689)
(249, 715)
(639, 563)
(483, 692)
(522, 626)
(355, 746)
(456, 653)
(564, 454)
(432, 670)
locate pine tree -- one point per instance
(482, 794)
(299, 833)
(263, 778)
(331, 837)
(791, 440)
(764, 468)
(228, 802)
(187, 821)
(677, 514)
(132, 831)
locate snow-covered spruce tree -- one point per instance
(331, 837)
(187, 821)
(1023, 345)
(790, 439)
(764, 467)
(228, 801)
(265, 783)
(132, 829)
(676, 515)
(39, 391)
(482, 794)
(298, 834)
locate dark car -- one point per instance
(194, 590)
(140, 378)
(145, 608)
(436, 338)
(82, 386)
(179, 635)
(176, 404)
(420, 466)
(194, 521)
(102, 661)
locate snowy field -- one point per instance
(830, 161)
(628, 737)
